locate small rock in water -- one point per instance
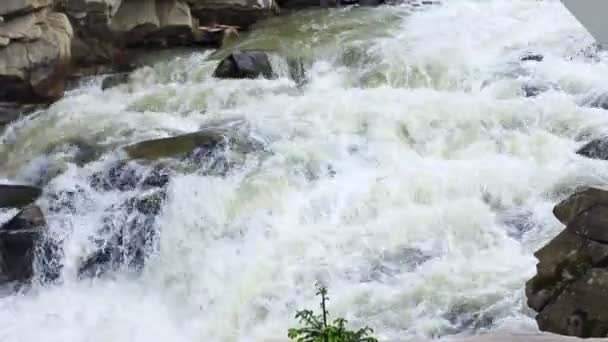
(532, 57)
(114, 80)
(16, 196)
(18, 239)
(245, 64)
(596, 149)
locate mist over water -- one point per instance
(408, 172)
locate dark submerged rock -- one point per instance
(121, 176)
(115, 80)
(595, 149)
(18, 240)
(17, 196)
(130, 236)
(245, 64)
(532, 57)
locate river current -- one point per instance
(408, 171)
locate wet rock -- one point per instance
(159, 177)
(568, 209)
(16, 196)
(122, 176)
(563, 259)
(130, 236)
(572, 273)
(595, 149)
(115, 80)
(18, 241)
(247, 64)
(592, 223)
(580, 309)
(532, 57)
(175, 146)
(64, 200)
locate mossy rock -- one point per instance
(174, 146)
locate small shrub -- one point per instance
(316, 329)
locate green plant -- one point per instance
(316, 328)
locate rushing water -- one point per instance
(408, 172)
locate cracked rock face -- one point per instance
(34, 63)
(571, 283)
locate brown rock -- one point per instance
(561, 261)
(580, 309)
(592, 223)
(568, 209)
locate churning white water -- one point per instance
(408, 172)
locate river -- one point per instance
(408, 172)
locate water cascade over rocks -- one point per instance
(394, 154)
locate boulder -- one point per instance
(591, 224)
(16, 196)
(245, 64)
(174, 18)
(33, 71)
(595, 149)
(563, 259)
(175, 146)
(570, 208)
(18, 240)
(9, 8)
(580, 309)
(240, 13)
(572, 273)
(25, 27)
(136, 17)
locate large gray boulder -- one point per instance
(571, 282)
(35, 67)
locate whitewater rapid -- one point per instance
(408, 173)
